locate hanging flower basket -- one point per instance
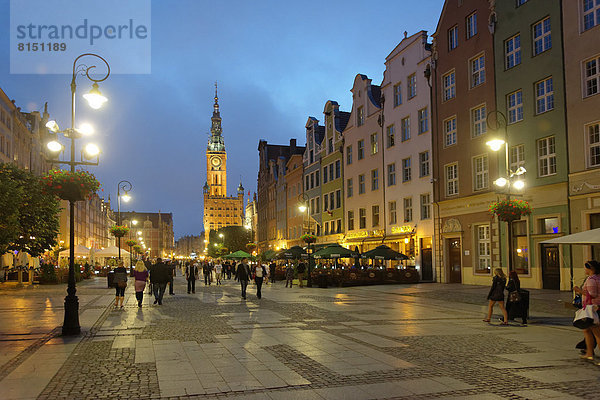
(119, 231)
(137, 248)
(308, 238)
(72, 186)
(251, 246)
(510, 210)
(131, 243)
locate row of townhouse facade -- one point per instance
(410, 166)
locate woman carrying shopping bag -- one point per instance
(591, 298)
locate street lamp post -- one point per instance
(95, 100)
(126, 187)
(305, 207)
(511, 178)
(132, 223)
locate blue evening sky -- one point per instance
(277, 62)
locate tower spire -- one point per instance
(216, 106)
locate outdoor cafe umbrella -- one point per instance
(383, 252)
(294, 252)
(80, 251)
(334, 251)
(111, 251)
(268, 255)
(238, 255)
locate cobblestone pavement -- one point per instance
(423, 341)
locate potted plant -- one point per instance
(72, 186)
(251, 247)
(131, 243)
(119, 230)
(509, 210)
(308, 238)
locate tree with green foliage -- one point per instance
(234, 238)
(29, 216)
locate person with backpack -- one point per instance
(242, 275)
(590, 292)
(120, 284)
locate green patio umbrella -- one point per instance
(334, 251)
(268, 255)
(383, 252)
(294, 252)
(238, 255)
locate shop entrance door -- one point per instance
(426, 265)
(550, 266)
(454, 260)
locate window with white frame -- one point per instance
(362, 218)
(361, 149)
(423, 164)
(338, 198)
(326, 202)
(392, 209)
(480, 172)
(331, 201)
(374, 179)
(375, 216)
(426, 206)
(512, 52)
(349, 187)
(361, 184)
(423, 120)
(517, 156)
(374, 144)
(591, 14)
(471, 25)
(484, 258)
(542, 40)
(593, 134)
(408, 214)
(325, 180)
(331, 171)
(451, 179)
(406, 170)
(405, 129)
(350, 220)
(412, 85)
(591, 76)
(348, 155)
(478, 121)
(391, 135)
(546, 156)
(338, 169)
(477, 70)
(391, 170)
(514, 102)
(360, 116)
(317, 174)
(544, 96)
(449, 85)
(452, 38)
(397, 94)
(450, 131)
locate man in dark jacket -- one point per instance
(159, 276)
(191, 274)
(171, 266)
(243, 275)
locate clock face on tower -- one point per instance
(216, 162)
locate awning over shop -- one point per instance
(586, 237)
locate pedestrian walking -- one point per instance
(141, 276)
(120, 284)
(289, 275)
(496, 295)
(272, 268)
(242, 275)
(591, 298)
(218, 272)
(149, 266)
(172, 272)
(159, 277)
(517, 301)
(300, 270)
(191, 274)
(228, 269)
(259, 273)
(206, 273)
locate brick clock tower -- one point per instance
(219, 210)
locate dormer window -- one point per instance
(360, 116)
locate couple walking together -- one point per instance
(244, 273)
